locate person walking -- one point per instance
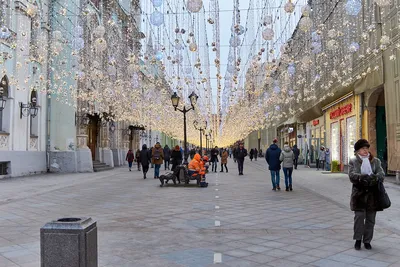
(328, 159)
(129, 158)
(241, 153)
(230, 152)
(255, 154)
(167, 157)
(272, 156)
(365, 171)
(321, 158)
(287, 159)
(214, 158)
(296, 153)
(234, 153)
(157, 158)
(176, 157)
(224, 160)
(145, 159)
(137, 158)
(251, 154)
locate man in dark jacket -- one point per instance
(214, 158)
(272, 156)
(240, 154)
(296, 153)
(145, 159)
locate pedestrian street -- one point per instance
(236, 221)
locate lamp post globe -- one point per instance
(193, 99)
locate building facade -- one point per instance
(24, 69)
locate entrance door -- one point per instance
(92, 138)
(381, 137)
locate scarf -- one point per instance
(366, 165)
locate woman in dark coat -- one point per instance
(176, 157)
(145, 159)
(251, 154)
(365, 171)
(167, 157)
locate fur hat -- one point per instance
(360, 144)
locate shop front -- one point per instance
(343, 126)
(316, 138)
(287, 134)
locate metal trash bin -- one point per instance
(69, 242)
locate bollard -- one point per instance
(69, 242)
(398, 177)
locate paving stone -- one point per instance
(372, 263)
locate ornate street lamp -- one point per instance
(200, 126)
(175, 102)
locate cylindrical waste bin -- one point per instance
(69, 242)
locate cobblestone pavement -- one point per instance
(236, 221)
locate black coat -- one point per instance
(240, 153)
(176, 157)
(272, 157)
(167, 153)
(214, 155)
(364, 194)
(145, 156)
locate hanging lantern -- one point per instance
(157, 18)
(354, 47)
(268, 34)
(4, 33)
(305, 24)
(193, 47)
(194, 6)
(383, 2)
(289, 7)
(157, 3)
(237, 29)
(353, 7)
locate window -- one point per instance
(4, 168)
(3, 94)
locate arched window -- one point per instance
(3, 98)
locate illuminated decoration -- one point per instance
(159, 55)
(305, 24)
(157, 3)
(193, 47)
(291, 69)
(289, 7)
(194, 6)
(234, 41)
(100, 44)
(354, 47)
(353, 7)
(4, 33)
(332, 45)
(99, 31)
(157, 18)
(267, 20)
(268, 34)
(238, 29)
(383, 2)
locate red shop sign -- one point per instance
(341, 111)
(315, 122)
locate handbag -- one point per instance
(383, 198)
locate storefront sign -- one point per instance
(315, 122)
(341, 111)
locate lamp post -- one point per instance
(200, 126)
(175, 102)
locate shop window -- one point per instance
(3, 95)
(351, 137)
(4, 168)
(335, 141)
